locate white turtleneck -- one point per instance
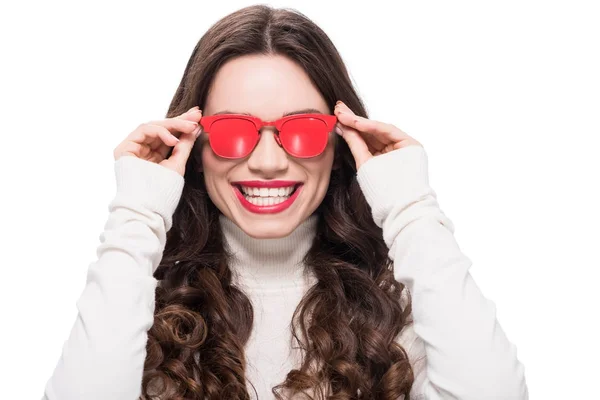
(271, 273)
(456, 346)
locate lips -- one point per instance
(268, 209)
(266, 184)
(252, 186)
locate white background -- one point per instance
(505, 97)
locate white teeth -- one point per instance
(267, 192)
(265, 201)
(267, 196)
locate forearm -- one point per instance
(468, 354)
(104, 355)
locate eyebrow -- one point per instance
(303, 111)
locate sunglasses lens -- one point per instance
(304, 137)
(232, 137)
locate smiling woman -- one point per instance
(303, 134)
(268, 87)
(268, 239)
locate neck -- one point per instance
(269, 263)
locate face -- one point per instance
(265, 86)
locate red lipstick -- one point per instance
(266, 184)
(275, 208)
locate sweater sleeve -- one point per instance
(468, 355)
(104, 355)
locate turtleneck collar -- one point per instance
(269, 263)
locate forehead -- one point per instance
(266, 86)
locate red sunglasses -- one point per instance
(236, 135)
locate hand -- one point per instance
(154, 140)
(368, 138)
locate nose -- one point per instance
(268, 158)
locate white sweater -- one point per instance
(456, 345)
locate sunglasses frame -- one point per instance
(328, 119)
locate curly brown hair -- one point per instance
(346, 324)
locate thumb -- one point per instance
(182, 150)
(358, 147)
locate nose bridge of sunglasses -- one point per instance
(270, 127)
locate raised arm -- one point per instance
(104, 355)
(468, 355)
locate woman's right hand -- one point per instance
(152, 141)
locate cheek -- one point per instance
(215, 173)
(320, 169)
(211, 165)
(326, 163)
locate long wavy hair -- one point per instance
(346, 324)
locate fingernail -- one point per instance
(338, 130)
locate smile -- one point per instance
(267, 197)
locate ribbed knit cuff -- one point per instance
(155, 187)
(394, 179)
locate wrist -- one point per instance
(152, 185)
(394, 179)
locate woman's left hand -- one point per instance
(368, 138)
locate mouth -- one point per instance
(267, 196)
(267, 200)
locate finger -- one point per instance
(189, 111)
(193, 115)
(149, 133)
(358, 147)
(387, 133)
(346, 117)
(171, 129)
(162, 135)
(181, 152)
(145, 139)
(177, 126)
(372, 145)
(153, 140)
(139, 150)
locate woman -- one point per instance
(310, 261)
